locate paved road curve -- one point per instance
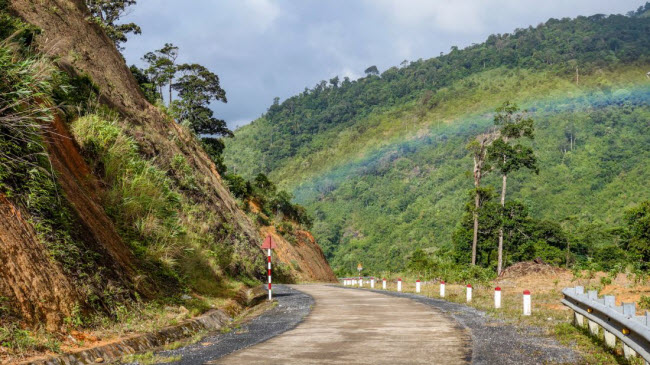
(361, 327)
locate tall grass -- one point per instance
(187, 240)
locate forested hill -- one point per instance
(381, 161)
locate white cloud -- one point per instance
(263, 13)
(458, 16)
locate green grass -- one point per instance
(160, 223)
(149, 358)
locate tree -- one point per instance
(162, 67)
(197, 88)
(107, 13)
(372, 70)
(507, 157)
(638, 223)
(478, 149)
(149, 88)
(169, 52)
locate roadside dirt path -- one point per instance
(362, 327)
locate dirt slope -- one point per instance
(34, 282)
(303, 255)
(32, 278)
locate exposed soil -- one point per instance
(301, 252)
(83, 192)
(39, 288)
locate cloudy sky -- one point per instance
(266, 48)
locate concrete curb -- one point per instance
(211, 321)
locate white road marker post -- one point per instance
(497, 297)
(469, 293)
(527, 303)
(417, 286)
(372, 282)
(399, 284)
(269, 244)
(442, 289)
(383, 284)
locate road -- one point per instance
(325, 324)
(361, 327)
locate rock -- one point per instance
(99, 360)
(186, 297)
(183, 311)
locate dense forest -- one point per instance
(382, 165)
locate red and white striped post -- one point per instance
(383, 284)
(417, 286)
(527, 303)
(442, 289)
(497, 297)
(269, 244)
(399, 284)
(469, 293)
(372, 282)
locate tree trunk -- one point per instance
(475, 238)
(503, 204)
(170, 92)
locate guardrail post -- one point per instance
(372, 283)
(442, 289)
(497, 297)
(399, 284)
(417, 286)
(594, 328)
(628, 352)
(469, 293)
(610, 339)
(383, 284)
(527, 303)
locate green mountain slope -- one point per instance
(381, 162)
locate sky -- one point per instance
(266, 48)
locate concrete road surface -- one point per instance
(362, 327)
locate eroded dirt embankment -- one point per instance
(37, 284)
(303, 254)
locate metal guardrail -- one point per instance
(620, 321)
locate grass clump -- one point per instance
(180, 238)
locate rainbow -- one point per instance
(464, 125)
